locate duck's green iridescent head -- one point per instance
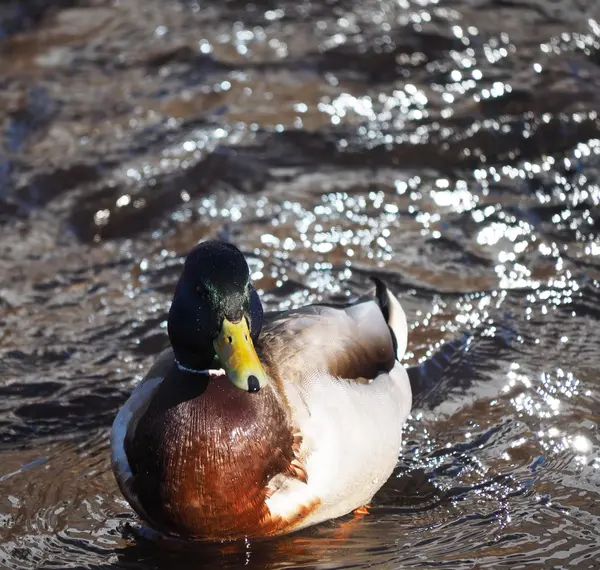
(216, 316)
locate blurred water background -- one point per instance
(450, 146)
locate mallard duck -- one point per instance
(255, 424)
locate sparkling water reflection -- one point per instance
(449, 147)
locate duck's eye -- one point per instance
(201, 289)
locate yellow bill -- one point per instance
(238, 357)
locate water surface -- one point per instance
(451, 147)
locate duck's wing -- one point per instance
(125, 423)
(356, 341)
(348, 397)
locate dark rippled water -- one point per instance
(451, 146)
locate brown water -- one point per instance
(451, 146)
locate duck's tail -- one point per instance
(394, 315)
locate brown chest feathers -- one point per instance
(203, 454)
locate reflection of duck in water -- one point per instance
(308, 427)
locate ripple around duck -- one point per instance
(451, 150)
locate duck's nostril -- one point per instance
(253, 383)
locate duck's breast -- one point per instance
(200, 455)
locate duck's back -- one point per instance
(349, 397)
